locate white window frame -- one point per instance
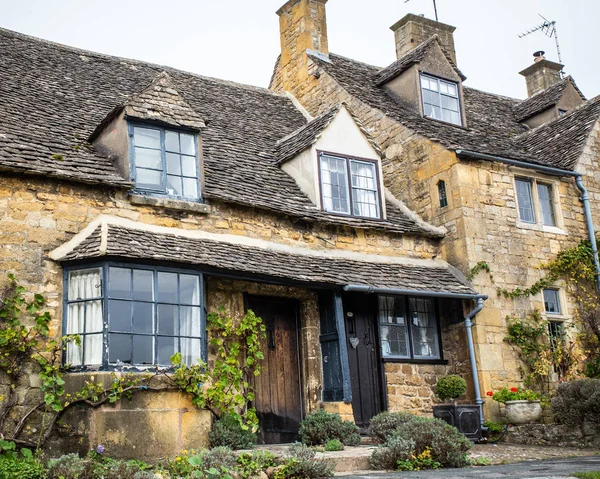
(440, 82)
(538, 225)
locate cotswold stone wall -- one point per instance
(481, 219)
(553, 435)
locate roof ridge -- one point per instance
(491, 93)
(106, 56)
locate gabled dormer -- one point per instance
(153, 137)
(425, 77)
(549, 95)
(336, 164)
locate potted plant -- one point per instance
(522, 405)
(464, 417)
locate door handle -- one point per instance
(271, 337)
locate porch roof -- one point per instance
(112, 237)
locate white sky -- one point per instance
(239, 39)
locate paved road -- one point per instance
(548, 469)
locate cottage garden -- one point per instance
(224, 387)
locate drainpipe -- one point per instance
(590, 226)
(469, 325)
(585, 199)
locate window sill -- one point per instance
(543, 228)
(415, 361)
(169, 203)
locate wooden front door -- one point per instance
(278, 400)
(363, 357)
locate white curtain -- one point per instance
(189, 321)
(85, 317)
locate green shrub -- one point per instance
(383, 425)
(69, 466)
(144, 475)
(418, 463)
(578, 402)
(301, 464)
(451, 387)
(419, 434)
(334, 445)
(320, 426)
(217, 458)
(227, 431)
(14, 466)
(250, 464)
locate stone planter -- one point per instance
(464, 417)
(523, 412)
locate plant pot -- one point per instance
(464, 417)
(523, 412)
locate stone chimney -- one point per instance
(412, 30)
(302, 26)
(542, 74)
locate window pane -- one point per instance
(119, 283)
(189, 166)
(449, 103)
(146, 137)
(525, 201)
(546, 205)
(423, 328)
(148, 179)
(190, 321)
(190, 289)
(143, 285)
(119, 315)
(167, 287)
(85, 284)
(76, 318)
(188, 144)
(171, 141)
(94, 322)
(334, 182)
(173, 164)
(148, 158)
(119, 348)
(190, 350)
(393, 327)
(442, 194)
(433, 84)
(190, 187)
(174, 185)
(168, 319)
(143, 318)
(93, 350)
(166, 348)
(143, 350)
(431, 97)
(452, 89)
(551, 301)
(424, 82)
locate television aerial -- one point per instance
(548, 28)
(434, 9)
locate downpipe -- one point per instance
(585, 199)
(469, 325)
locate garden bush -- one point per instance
(250, 464)
(447, 446)
(21, 466)
(301, 463)
(452, 387)
(227, 431)
(383, 425)
(577, 402)
(320, 426)
(334, 445)
(218, 457)
(69, 466)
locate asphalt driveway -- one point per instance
(546, 469)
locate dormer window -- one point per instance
(440, 99)
(165, 161)
(349, 186)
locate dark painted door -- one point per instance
(363, 357)
(278, 399)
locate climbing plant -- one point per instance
(27, 348)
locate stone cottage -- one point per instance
(137, 198)
(512, 181)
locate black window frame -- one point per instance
(104, 267)
(163, 192)
(412, 358)
(557, 301)
(442, 194)
(348, 160)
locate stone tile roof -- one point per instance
(414, 56)
(301, 139)
(225, 253)
(53, 97)
(543, 100)
(491, 128)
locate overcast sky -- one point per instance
(239, 39)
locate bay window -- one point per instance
(133, 315)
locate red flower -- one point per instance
(514, 390)
(489, 393)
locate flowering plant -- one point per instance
(513, 394)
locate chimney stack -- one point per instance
(542, 74)
(412, 30)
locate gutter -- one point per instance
(585, 199)
(480, 298)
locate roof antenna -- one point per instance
(548, 28)
(434, 9)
